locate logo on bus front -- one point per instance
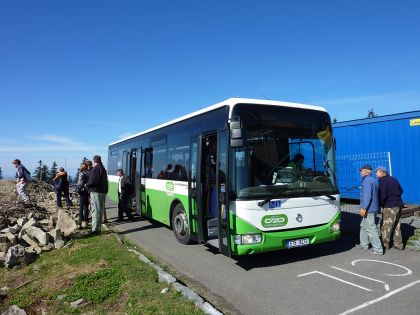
(277, 220)
(170, 186)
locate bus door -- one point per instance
(195, 190)
(222, 190)
(135, 178)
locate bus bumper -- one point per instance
(277, 240)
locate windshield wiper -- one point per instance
(326, 195)
(263, 202)
(268, 199)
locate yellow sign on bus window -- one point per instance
(415, 122)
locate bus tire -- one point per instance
(180, 225)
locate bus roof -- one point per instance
(229, 102)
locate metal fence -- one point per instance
(348, 176)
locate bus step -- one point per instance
(214, 243)
(213, 228)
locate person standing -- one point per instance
(98, 187)
(390, 192)
(22, 179)
(369, 207)
(83, 192)
(61, 186)
(124, 193)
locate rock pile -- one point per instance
(29, 229)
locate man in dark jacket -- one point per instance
(390, 192)
(124, 193)
(98, 187)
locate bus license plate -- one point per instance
(298, 243)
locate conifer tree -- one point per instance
(53, 170)
(46, 176)
(41, 172)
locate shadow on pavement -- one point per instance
(288, 256)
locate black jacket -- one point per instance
(126, 187)
(98, 179)
(390, 192)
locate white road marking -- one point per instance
(361, 276)
(409, 272)
(380, 298)
(335, 278)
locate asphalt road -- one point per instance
(330, 278)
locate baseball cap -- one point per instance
(366, 167)
(381, 168)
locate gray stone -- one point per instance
(14, 310)
(189, 294)
(5, 244)
(78, 303)
(47, 224)
(32, 243)
(65, 223)
(207, 308)
(48, 247)
(12, 238)
(17, 255)
(30, 222)
(59, 244)
(55, 234)
(61, 296)
(165, 277)
(11, 229)
(22, 221)
(38, 234)
(4, 291)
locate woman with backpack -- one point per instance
(83, 192)
(61, 186)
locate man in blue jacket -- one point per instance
(390, 192)
(369, 207)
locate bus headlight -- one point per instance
(248, 239)
(335, 227)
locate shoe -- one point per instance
(84, 224)
(374, 252)
(93, 233)
(366, 248)
(119, 220)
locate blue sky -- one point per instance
(78, 75)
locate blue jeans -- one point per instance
(369, 233)
(98, 205)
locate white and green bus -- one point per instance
(227, 176)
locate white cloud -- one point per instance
(125, 135)
(49, 148)
(56, 139)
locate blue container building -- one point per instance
(392, 141)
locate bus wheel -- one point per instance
(180, 225)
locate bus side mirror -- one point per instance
(235, 134)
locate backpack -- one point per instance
(27, 175)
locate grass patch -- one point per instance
(98, 269)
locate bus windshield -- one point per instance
(287, 152)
